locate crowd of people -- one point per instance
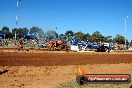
(32, 43)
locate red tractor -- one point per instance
(58, 45)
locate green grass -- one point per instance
(73, 84)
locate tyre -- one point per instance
(59, 47)
(81, 80)
(51, 48)
(18, 49)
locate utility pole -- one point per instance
(125, 31)
(17, 8)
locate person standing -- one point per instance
(20, 44)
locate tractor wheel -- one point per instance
(65, 47)
(51, 48)
(59, 48)
(81, 80)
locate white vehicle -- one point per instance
(130, 49)
(106, 44)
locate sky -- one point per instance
(87, 16)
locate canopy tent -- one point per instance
(1, 36)
(30, 36)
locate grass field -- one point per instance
(73, 84)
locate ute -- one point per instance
(98, 47)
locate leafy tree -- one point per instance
(62, 37)
(131, 42)
(107, 39)
(80, 36)
(69, 33)
(97, 37)
(13, 31)
(21, 32)
(87, 37)
(37, 31)
(119, 39)
(8, 34)
(5, 30)
(51, 34)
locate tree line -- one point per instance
(68, 35)
(97, 37)
(21, 32)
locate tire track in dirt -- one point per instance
(49, 58)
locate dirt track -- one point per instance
(45, 69)
(57, 58)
